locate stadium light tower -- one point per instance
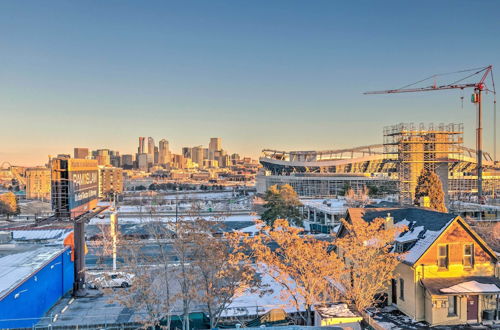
(478, 87)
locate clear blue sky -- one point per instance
(260, 74)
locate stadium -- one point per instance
(391, 167)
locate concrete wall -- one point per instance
(26, 304)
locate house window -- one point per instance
(401, 289)
(443, 256)
(469, 255)
(452, 306)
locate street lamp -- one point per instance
(176, 203)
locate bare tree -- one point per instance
(150, 294)
(357, 199)
(304, 266)
(146, 296)
(367, 259)
(184, 250)
(223, 267)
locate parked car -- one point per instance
(110, 280)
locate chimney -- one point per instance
(389, 221)
(425, 201)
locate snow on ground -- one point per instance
(212, 195)
(252, 303)
(191, 195)
(147, 218)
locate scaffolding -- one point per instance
(415, 148)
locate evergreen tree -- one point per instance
(429, 185)
(282, 202)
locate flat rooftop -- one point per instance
(19, 261)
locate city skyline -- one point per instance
(122, 71)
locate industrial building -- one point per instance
(35, 272)
(391, 167)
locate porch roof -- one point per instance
(446, 286)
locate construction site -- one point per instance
(470, 176)
(393, 166)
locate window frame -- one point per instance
(446, 257)
(468, 256)
(454, 303)
(401, 289)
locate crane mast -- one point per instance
(478, 87)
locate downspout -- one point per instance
(424, 295)
(415, 291)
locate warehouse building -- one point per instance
(33, 277)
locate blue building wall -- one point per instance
(38, 293)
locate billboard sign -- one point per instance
(83, 185)
(74, 186)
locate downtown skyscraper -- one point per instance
(164, 152)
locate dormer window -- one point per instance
(468, 259)
(443, 256)
(399, 247)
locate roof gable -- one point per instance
(424, 226)
(458, 232)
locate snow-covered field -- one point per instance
(147, 218)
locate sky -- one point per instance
(259, 74)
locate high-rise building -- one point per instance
(151, 147)
(214, 145)
(164, 152)
(142, 162)
(127, 162)
(156, 155)
(197, 155)
(234, 159)
(81, 153)
(38, 183)
(187, 152)
(114, 158)
(141, 149)
(178, 161)
(103, 156)
(208, 163)
(110, 180)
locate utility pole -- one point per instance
(176, 204)
(114, 230)
(79, 257)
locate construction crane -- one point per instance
(479, 87)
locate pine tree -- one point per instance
(282, 202)
(429, 185)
